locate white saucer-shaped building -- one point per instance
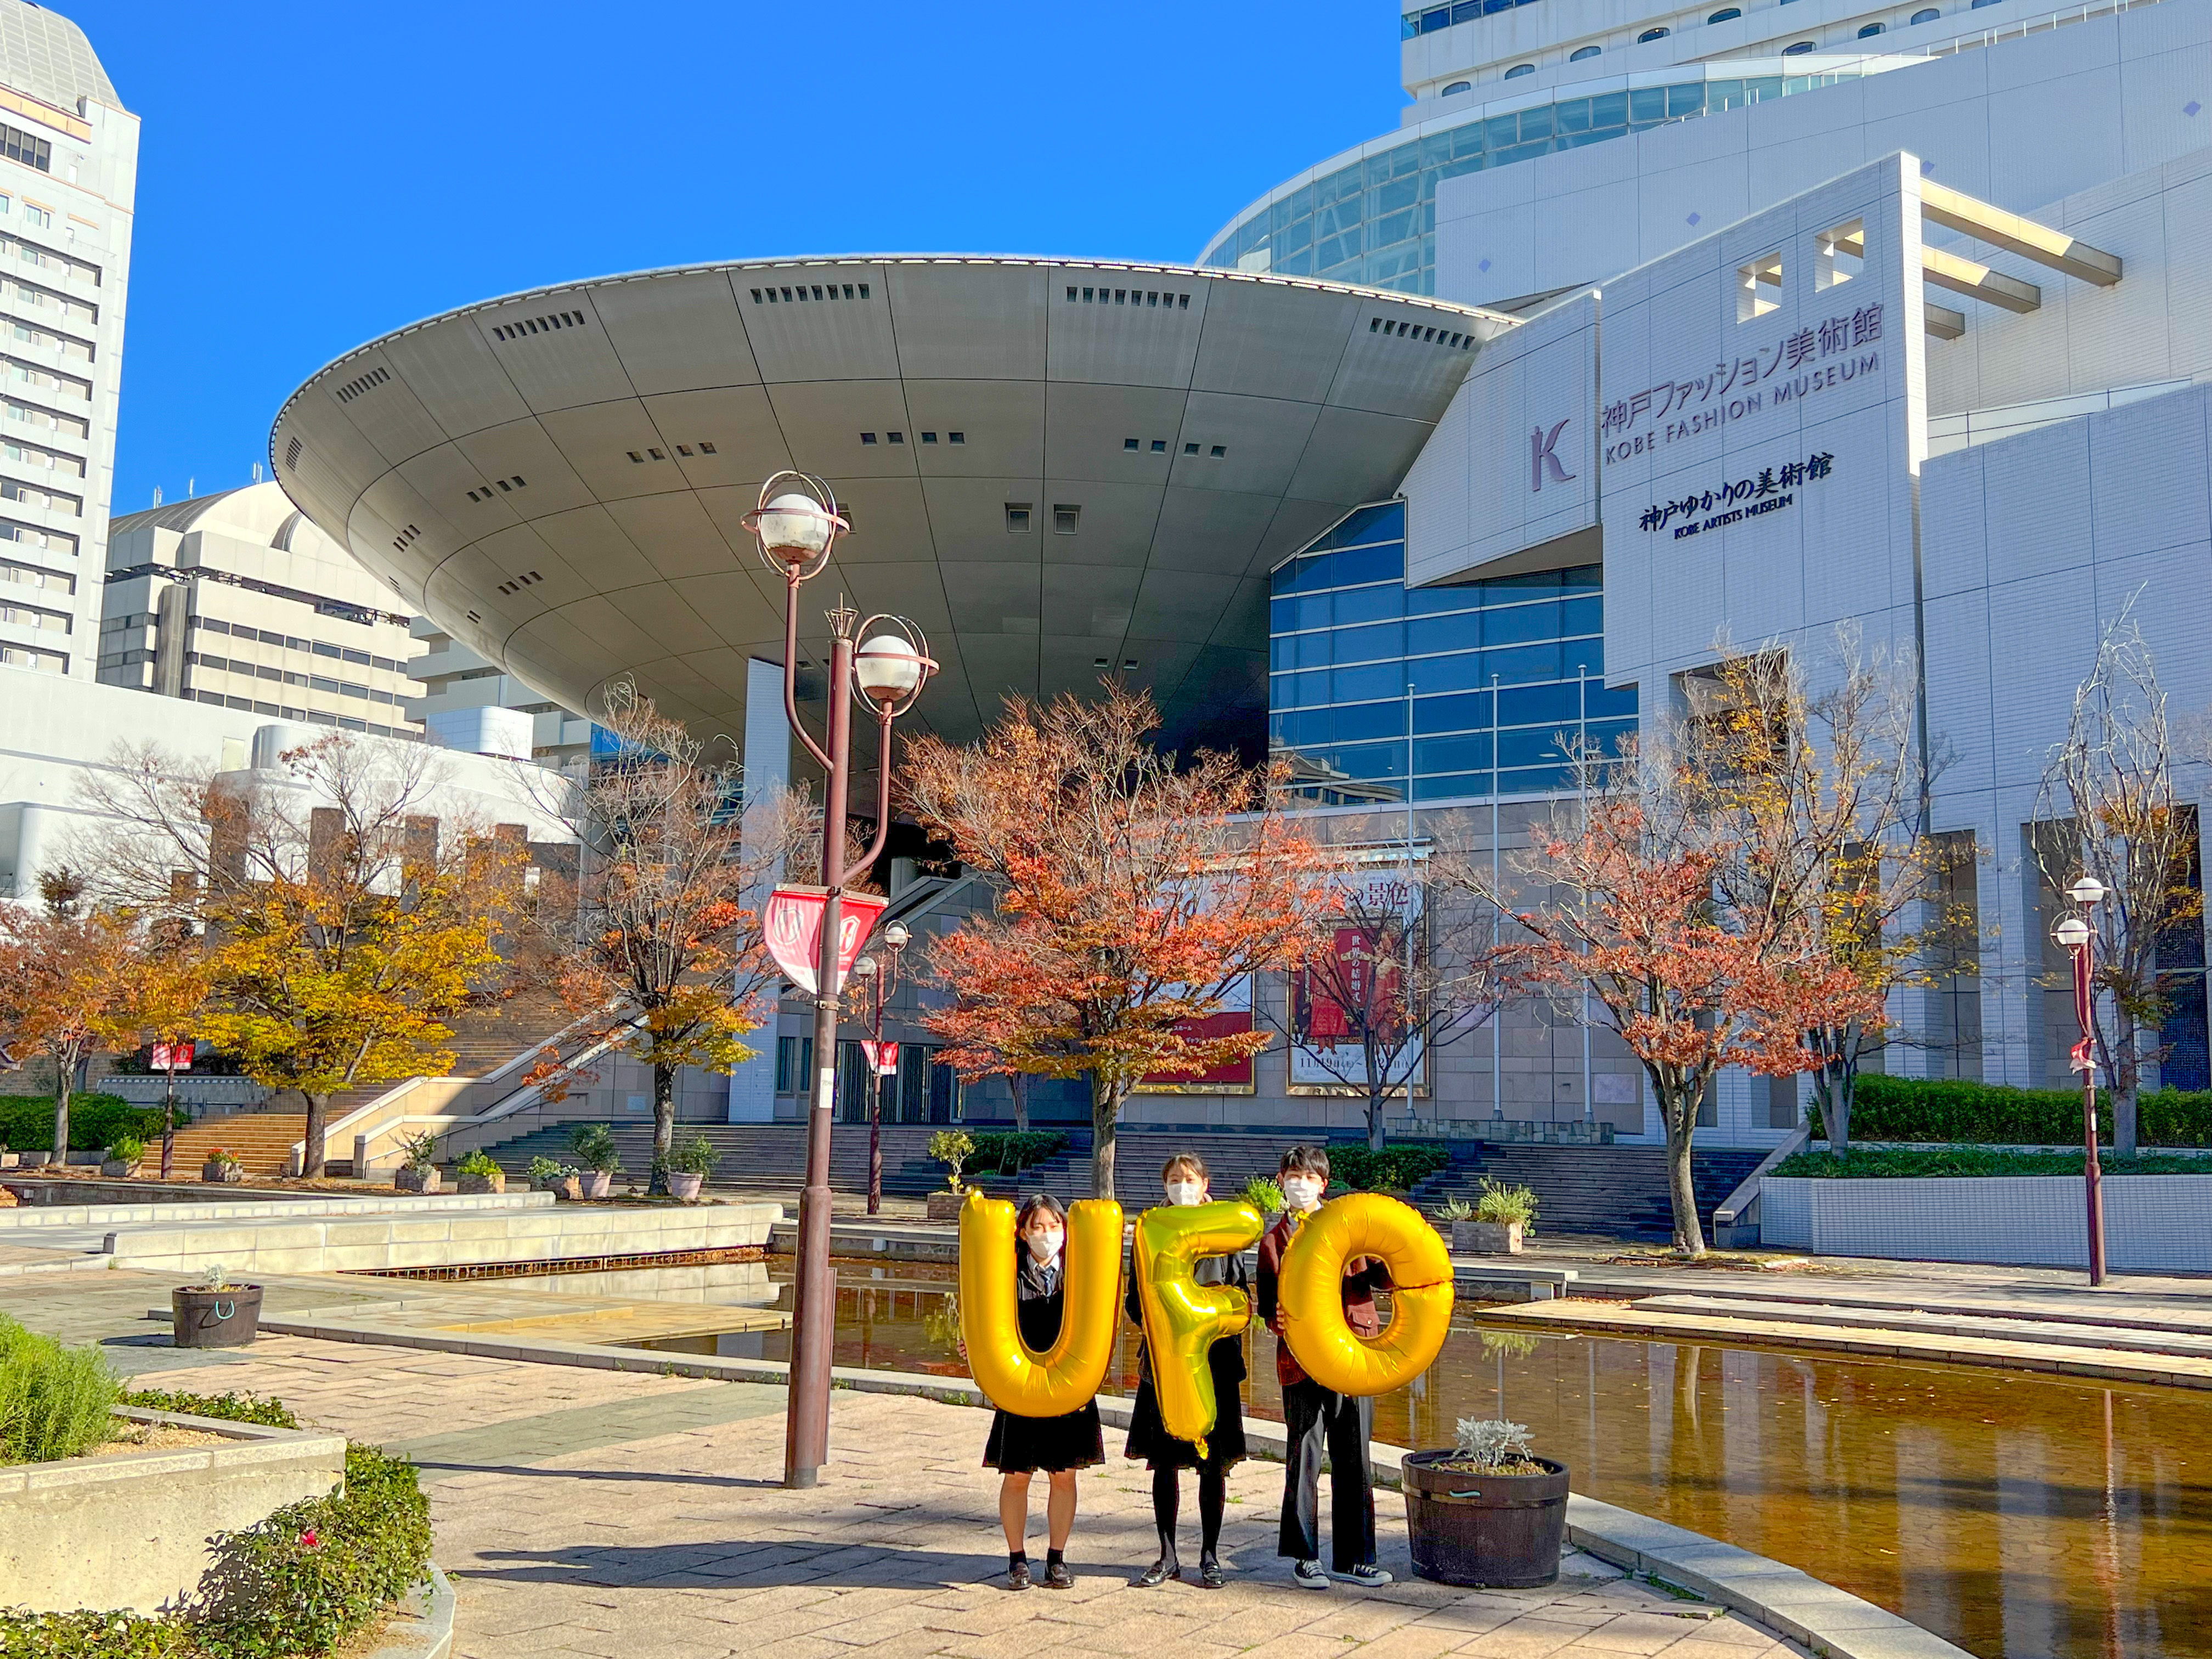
(1057, 468)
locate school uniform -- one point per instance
(1316, 1418)
(1024, 1445)
(1149, 1438)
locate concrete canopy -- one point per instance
(557, 477)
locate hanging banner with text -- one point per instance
(791, 924)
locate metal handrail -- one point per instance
(2042, 23)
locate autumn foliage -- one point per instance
(1132, 895)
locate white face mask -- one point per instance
(1185, 1192)
(1044, 1242)
(1301, 1192)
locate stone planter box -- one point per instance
(2153, 1224)
(130, 1529)
(684, 1188)
(9, 1160)
(415, 1181)
(482, 1183)
(222, 1174)
(945, 1206)
(566, 1189)
(598, 1184)
(120, 1169)
(1486, 1237)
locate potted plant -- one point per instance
(1265, 1194)
(1488, 1511)
(550, 1174)
(214, 1312)
(122, 1157)
(418, 1172)
(1495, 1223)
(222, 1167)
(593, 1144)
(480, 1174)
(690, 1163)
(952, 1148)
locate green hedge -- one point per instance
(1397, 1168)
(1890, 1162)
(230, 1408)
(1007, 1151)
(96, 1121)
(1946, 1109)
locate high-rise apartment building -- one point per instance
(69, 165)
(237, 600)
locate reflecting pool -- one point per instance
(2019, 1516)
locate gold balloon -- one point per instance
(1016, 1377)
(1182, 1317)
(1311, 1294)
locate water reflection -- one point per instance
(2018, 1516)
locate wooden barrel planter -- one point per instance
(1505, 1530)
(216, 1319)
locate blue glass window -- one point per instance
(1458, 86)
(1651, 35)
(1726, 14)
(1363, 605)
(1519, 70)
(1928, 16)
(1870, 31)
(1581, 52)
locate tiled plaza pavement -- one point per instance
(585, 1512)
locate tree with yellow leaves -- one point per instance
(343, 923)
(161, 996)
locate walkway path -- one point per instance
(587, 1512)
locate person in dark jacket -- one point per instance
(1315, 1417)
(1185, 1179)
(1020, 1446)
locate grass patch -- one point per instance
(1889, 1162)
(55, 1401)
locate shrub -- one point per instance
(1399, 1167)
(542, 1170)
(1494, 1443)
(593, 1144)
(230, 1408)
(419, 1152)
(315, 1572)
(1455, 1209)
(54, 1401)
(1500, 1203)
(478, 1163)
(953, 1148)
(1953, 1109)
(695, 1156)
(1009, 1151)
(1263, 1194)
(1862, 1163)
(126, 1149)
(96, 1121)
(25, 1635)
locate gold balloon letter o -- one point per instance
(1182, 1317)
(1312, 1297)
(1017, 1378)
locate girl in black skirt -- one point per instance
(1185, 1178)
(1019, 1446)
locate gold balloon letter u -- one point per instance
(1016, 1377)
(1183, 1318)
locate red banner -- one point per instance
(790, 923)
(883, 1057)
(176, 1056)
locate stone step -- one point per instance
(1942, 1321)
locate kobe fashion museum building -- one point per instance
(1649, 334)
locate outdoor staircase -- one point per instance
(1618, 1191)
(765, 1155)
(262, 1142)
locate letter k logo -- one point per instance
(1540, 459)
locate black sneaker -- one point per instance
(1308, 1575)
(1057, 1575)
(1018, 1576)
(1365, 1573)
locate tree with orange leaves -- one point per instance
(1636, 905)
(59, 978)
(1132, 894)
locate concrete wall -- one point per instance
(2153, 1224)
(130, 1529)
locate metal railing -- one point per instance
(2042, 23)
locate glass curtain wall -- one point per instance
(1454, 692)
(1374, 222)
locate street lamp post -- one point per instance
(797, 525)
(882, 979)
(2079, 936)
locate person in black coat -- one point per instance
(1020, 1446)
(1185, 1178)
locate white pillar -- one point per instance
(768, 768)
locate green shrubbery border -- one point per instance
(1890, 1162)
(27, 1123)
(1992, 1114)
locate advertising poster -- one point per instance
(1383, 908)
(1235, 1079)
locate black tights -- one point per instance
(1212, 1501)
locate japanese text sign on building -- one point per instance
(1771, 491)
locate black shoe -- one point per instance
(1209, 1574)
(1018, 1576)
(1156, 1575)
(1055, 1575)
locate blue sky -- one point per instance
(312, 175)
